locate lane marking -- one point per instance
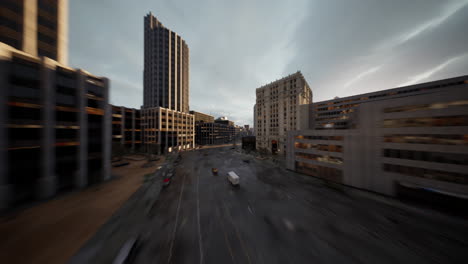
(177, 219)
(244, 248)
(198, 215)
(225, 236)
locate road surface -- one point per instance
(278, 216)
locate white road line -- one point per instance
(237, 232)
(225, 235)
(177, 219)
(198, 215)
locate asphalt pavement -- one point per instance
(278, 216)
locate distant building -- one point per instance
(225, 121)
(36, 27)
(248, 143)
(412, 137)
(213, 132)
(165, 113)
(126, 128)
(248, 131)
(201, 117)
(278, 109)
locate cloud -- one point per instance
(340, 41)
(425, 75)
(341, 47)
(362, 75)
(451, 9)
(234, 46)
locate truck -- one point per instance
(233, 178)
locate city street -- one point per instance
(277, 216)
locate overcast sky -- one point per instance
(343, 47)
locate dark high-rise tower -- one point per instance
(166, 122)
(166, 68)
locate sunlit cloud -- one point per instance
(362, 75)
(448, 12)
(425, 75)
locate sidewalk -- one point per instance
(53, 231)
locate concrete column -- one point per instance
(81, 178)
(181, 83)
(169, 76)
(30, 27)
(193, 134)
(5, 186)
(176, 123)
(176, 71)
(122, 127)
(174, 130)
(184, 127)
(62, 31)
(106, 133)
(159, 127)
(47, 183)
(167, 136)
(133, 129)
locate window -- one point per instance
(326, 173)
(441, 105)
(427, 173)
(438, 157)
(427, 139)
(460, 120)
(321, 158)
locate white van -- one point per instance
(233, 178)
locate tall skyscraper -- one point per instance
(166, 69)
(37, 27)
(166, 121)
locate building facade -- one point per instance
(126, 128)
(55, 127)
(411, 137)
(214, 133)
(55, 121)
(278, 109)
(166, 67)
(37, 27)
(202, 118)
(166, 120)
(209, 131)
(167, 130)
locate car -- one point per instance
(233, 178)
(166, 181)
